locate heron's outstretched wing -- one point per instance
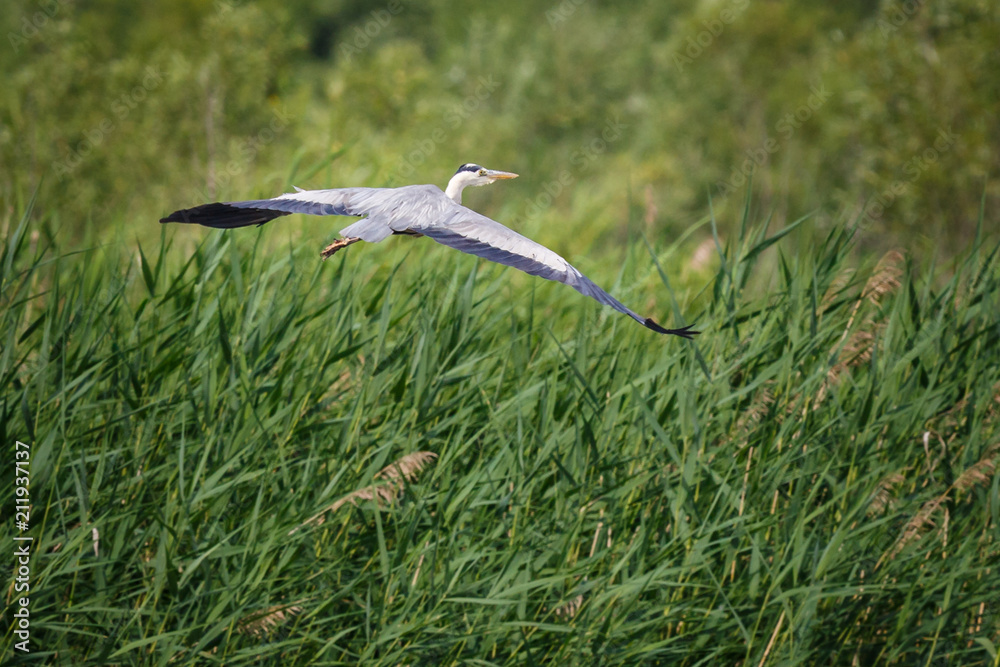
(478, 235)
(385, 210)
(424, 209)
(228, 215)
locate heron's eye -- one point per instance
(482, 172)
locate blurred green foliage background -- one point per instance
(884, 112)
(813, 480)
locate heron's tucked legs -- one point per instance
(337, 245)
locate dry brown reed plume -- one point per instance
(702, 256)
(389, 483)
(407, 467)
(264, 622)
(885, 277)
(978, 474)
(884, 280)
(856, 348)
(652, 211)
(839, 284)
(569, 609)
(759, 407)
(882, 495)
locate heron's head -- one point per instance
(476, 175)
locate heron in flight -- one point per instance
(417, 210)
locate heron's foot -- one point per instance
(337, 245)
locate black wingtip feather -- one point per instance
(686, 332)
(223, 216)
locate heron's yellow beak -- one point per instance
(502, 175)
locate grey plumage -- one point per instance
(419, 209)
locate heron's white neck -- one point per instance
(458, 183)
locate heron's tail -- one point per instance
(223, 216)
(686, 332)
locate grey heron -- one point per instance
(417, 210)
